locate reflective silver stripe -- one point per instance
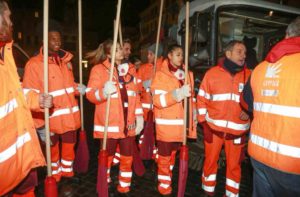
(67, 163)
(161, 121)
(125, 104)
(208, 188)
(131, 93)
(146, 105)
(281, 110)
(12, 150)
(99, 128)
(117, 155)
(171, 167)
(56, 171)
(164, 177)
(70, 90)
(27, 90)
(226, 97)
(88, 89)
(211, 177)
(160, 92)
(203, 94)
(269, 92)
(164, 185)
(232, 183)
(126, 174)
(194, 100)
(55, 164)
(124, 184)
(202, 111)
(57, 92)
(275, 147)
(139, 81)
(97, 95)
(115, 160)
(148, 90)
(228, 124)
(163, 101)
(8, 107)
(120, 85)
(66, 169)
(230, 194)
(108, 171)
(138, 111)
(64, 111)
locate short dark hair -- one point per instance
(231, 44)
(172, 47)
(53, 26)
(127, 40)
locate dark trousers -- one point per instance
(270, 182)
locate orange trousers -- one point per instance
(234, 152)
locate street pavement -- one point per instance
(84, 185)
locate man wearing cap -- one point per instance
(146, 73)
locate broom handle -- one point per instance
(45, 49)
(120, 34)
(158, 34)
(111, 72)
(187, 17)
(80, 59)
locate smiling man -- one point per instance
(223, 121)
(65, 115)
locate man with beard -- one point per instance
(20, 151)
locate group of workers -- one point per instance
(228, 101)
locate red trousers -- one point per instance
(126, 152)
(234, 151)
(166, 161)
(26, 187)
(63, 155)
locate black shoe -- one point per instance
(127, 194)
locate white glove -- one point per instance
(42, 133)
(139, 124)
(109, 88)
(81, 89)
(180, 93)
(146, 84)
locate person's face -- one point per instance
(151, 57)
(176, 57)
(5, 25)
(126, 50)
(237, 54)
(54, 41)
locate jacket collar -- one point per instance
(65, 56)
(285, 47)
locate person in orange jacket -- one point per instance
(271, 94)
(145, 74)
(64, 116)
(223, 120)
(20, 152)
(126, 115)
(168, 92)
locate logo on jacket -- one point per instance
(179, 74)
(123, 69)
(273, 70)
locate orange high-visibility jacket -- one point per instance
(218, 100)
(145, 73)
(167, 111)
(65, 115)
(19, 148)
(274, 138)
(98, 77)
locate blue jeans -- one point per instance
(269, 182)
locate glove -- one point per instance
(109, 88)
(139, 124)
(146, 84)
(81, 89)
(45, 100)
(180, 93)
(42, 134)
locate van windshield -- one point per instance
(259, 28)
